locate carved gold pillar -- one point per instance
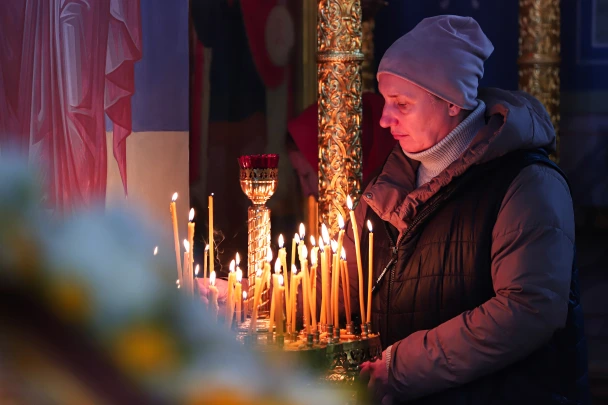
(539, 54)
(339, 60)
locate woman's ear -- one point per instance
(453, 110)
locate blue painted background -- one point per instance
(160, 102)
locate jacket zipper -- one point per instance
(395, 248)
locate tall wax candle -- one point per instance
(178, 260)
(353, 223)
(370, 269)
(191, 253)
(211, 243)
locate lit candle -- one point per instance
(238, 294)
(370, 269)
(211, 244)
(301, 243)
(283, 258)
(230, 296)
(326, 284)
(212, 297)
(313, 283)
(185, 281)
(345, 285)
(191, 243)
(335, 277)
(256, 300)
(173, 211)
(155, 250)
(293, 248)
(196, 270)
(293, 299)
(245, 303)
(305, 288)
(205, 260)
(353, 223)
(280, 294)
(323, 317)
(273, 299)
(337, 261)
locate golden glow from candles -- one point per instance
(155, 250)
(212, 278)
(302, 231)
(340, 221)
(177, 281)
(244, 295)
(297, 238)
(312, 241)
(187, 245)
(313, 260)
(258, 273)
(191, 215)
(349, 203)
(277, 266)
(281, 280)
(174, 198)
(321, 245)
(304, 252)
(196, 270)
(237, 259)
(294, 269)
(281, 241)
(207, 247)
(369, 225)
(343, 254)
(325, 234)
(232, 265)
(334, 246)
(269, 255)
(239, 275)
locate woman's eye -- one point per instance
(402, 104)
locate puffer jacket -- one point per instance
(529, 266)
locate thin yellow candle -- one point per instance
(305, 289)
(186, 279)
(238, 294)
(326, 283)
(335, 272)
(283, 258)
(211, 244)
(345, 285)
(323, 317)
(293, 299)
(178, 259)
(301, 243)
(256, 300)
(313, 295)
(293, 249)
(191, 253)
(205, 262)
(353, 223)
(230, 296)
(196, 270)
(245, 303)
(212, 297)
(280, 306)
(370, 269)
(337, 261)
(273, 300)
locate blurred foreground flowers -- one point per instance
(89, 315)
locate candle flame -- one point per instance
(258, 273)
(232, 265)
(334, 246)
(281, 241)
(304, 252)
(349, 203)
(196, 269)
(191, 215)
(212, 278)
(155, 250)
(237, 258)
(313, 259)
(325, 234)
(281, 280)
(321, 244)
(312, 240)
(297, 238)
(302, 231)
(174, 197)
(177, 281)
(343, 254)
(207, 248)
(340, 221)
(187, 245)
(269, 255)
(239, 275)
(244, 295)
(277, 266)
(294, 269)
(369, 225)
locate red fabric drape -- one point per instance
(58, 60)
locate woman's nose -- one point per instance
(387, 120)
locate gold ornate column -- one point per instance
(539, 54)
(339, 59)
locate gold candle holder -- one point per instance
(258, 178)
